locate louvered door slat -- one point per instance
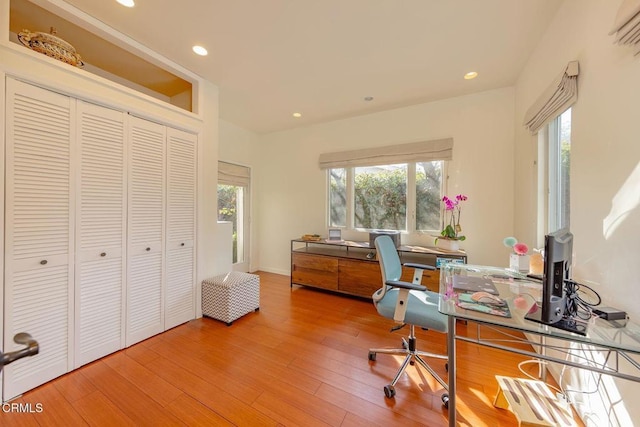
(180, 287)
(100, 308)
(39, 170)
(181, 221)
(146, 204)
(38, 232)
(101, 224)
(144, 295)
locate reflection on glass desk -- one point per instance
(522, 294)
(620, 334)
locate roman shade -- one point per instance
(627, 24)
(422, 151)
(231, 174)
(562, 94)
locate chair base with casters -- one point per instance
(408, 304)
(412, 354)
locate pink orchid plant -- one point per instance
(452, 207)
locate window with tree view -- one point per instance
(338, 197)
(393, 197)
(428, 195)
(230, 208)
(380, 197)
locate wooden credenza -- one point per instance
(352, 268)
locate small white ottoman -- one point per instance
(230, 296)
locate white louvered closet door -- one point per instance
(38, 233)
(146, 213)
(100, 233)
(180, 296)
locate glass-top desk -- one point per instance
(619, 337)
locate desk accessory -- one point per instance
(474, 284)
(610, 313)
(466, 301)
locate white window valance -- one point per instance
(627, 24)
(422, 151)
(562, 94)
(231, 174)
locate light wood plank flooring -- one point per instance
(299, 361)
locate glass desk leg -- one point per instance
(543, 350)
(451, 350)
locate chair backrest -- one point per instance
(389, 263)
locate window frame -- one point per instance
(410, 197)
(550, 197)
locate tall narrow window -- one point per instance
(554, 171)
(230, 207)
(550, 118)
(233, 206)
(559, 172)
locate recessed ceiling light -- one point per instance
(297, 115)
(127, 3)
(199, 50)
(368, 98)
(470, 75)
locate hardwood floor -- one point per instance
(299, 361)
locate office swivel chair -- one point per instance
(407, 304)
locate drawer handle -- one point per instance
(43, 262)
(148, 249)
(103, 254)
(181, 244)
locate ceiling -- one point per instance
(271, 58)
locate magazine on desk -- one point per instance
(465, 301)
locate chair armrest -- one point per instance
(420, 266)
(405, 285)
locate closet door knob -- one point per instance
(103, 254)
(43, 262)
(148, 249)
(181, 244)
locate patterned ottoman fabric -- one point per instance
(230, 296)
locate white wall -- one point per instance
(605, 172)
(237, 145)
(207, 193)
(292, 195)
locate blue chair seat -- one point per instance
(422, 309)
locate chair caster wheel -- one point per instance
(389, 391)
(445, 400)
(372, 356)
(412, 363)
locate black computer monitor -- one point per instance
(558, 248)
